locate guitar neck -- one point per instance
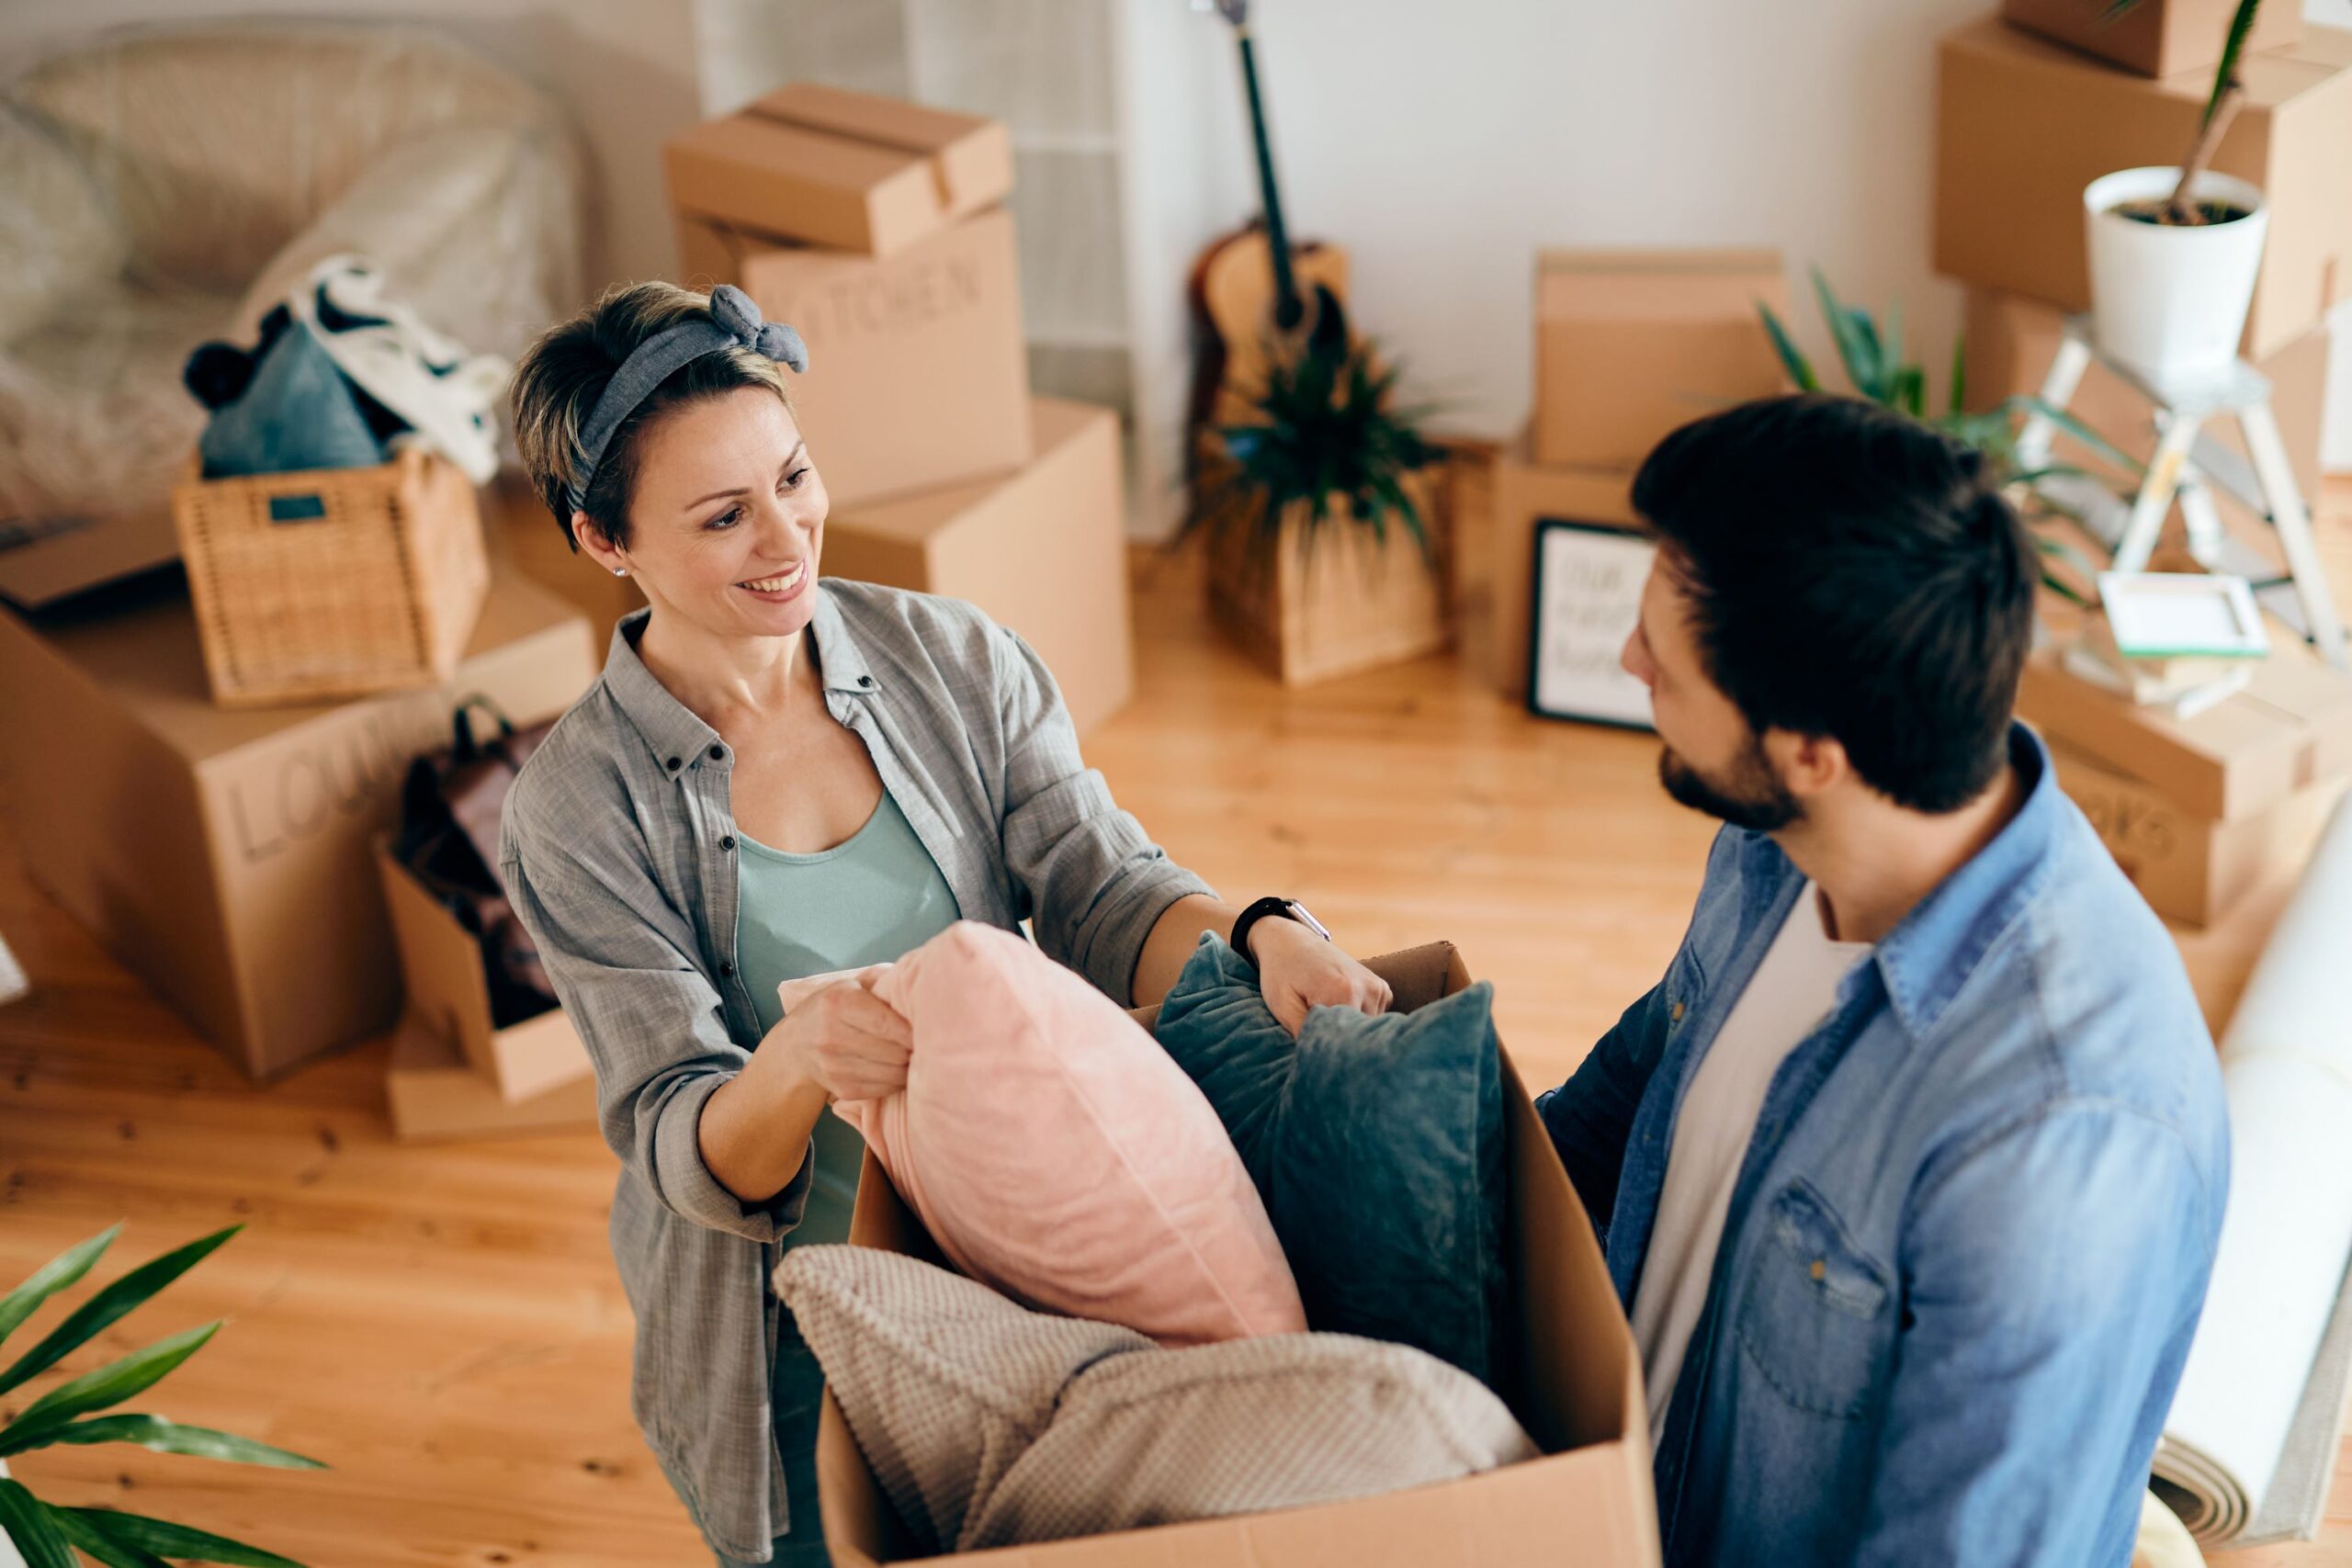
(1288, 307)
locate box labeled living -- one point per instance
(1574, 1381)
(432, 1094)
(917, 376)
(224, 856)
(2011, 340)
(2154, 38)
(1527, 493)
(2291, 729)
(2190, 868)
(2023, 125)
(1042, 550)
(441, 971)
(831, 168)
(1629, 345)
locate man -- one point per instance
(1910, 1171)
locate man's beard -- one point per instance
(1752, 797)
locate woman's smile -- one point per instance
(780, 588)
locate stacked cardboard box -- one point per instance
(1629, 344)
(2197, 810)
(875, 227)
(224, 856)
(2023, 124)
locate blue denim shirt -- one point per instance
(1970, 1240)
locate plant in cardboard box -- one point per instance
(1322, 520)
(2175, 252)
(47, 1536)
(1874, 362)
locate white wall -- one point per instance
(1444, 143)
(624, 68)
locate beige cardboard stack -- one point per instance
(1629, 345)
(2031, 106)
(875, 227)
(2197, 810)
(2023, 124)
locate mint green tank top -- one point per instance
(873, 898)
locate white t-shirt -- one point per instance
(1791, 992)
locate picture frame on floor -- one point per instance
(1588, 596)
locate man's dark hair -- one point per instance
(1854, 574)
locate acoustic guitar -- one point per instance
(1258, 299)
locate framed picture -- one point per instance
(1588, 580)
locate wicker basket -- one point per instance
(331, 582)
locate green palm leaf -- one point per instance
(110, 1384)
(2078, 428)
(167, 1539)
(114, 1554)
(1959, 376)
(27, 1524)
(159, 1436)
(111, 1304)
(1792, 358)
(1857, 341)
(2241, 24)
(52, 1277)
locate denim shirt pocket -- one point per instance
(1817, 1318)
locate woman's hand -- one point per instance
(1298, 970)
(839, 1035)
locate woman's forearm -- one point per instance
(1173, 937)
(755, 1129)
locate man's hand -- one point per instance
(1298, 970)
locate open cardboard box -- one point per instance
(432, 1095)
(1572, 1379)
(441, 970)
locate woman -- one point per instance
(780, 777)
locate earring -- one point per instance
(620, 572)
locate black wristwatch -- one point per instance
(1273, 908)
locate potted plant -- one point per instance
(2175, 252)
(1874, 362)
(45, 1534)
(1321, 517)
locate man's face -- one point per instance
(1712, 760)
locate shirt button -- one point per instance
(728, 842)
(727, 971)
(677, 762)
(718, 753)
(866, 680)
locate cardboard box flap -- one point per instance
(971, 156)
(1576, 1387)
(1658, 285)
(49, 563)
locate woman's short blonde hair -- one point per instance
(560, 377)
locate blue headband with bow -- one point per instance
(734, 323)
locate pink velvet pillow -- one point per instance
(1056, 1152)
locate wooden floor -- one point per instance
(443, 1325)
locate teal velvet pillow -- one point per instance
(1376, 1144)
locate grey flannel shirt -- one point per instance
(618, 854)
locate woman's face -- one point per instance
(729, 518)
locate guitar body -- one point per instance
(1236, 337)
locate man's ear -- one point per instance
(1808, 765)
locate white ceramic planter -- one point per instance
(2172, 302)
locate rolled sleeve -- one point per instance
(651, 1024)
(1095, 881)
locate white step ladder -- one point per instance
(2189, 466)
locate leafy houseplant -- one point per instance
(1874, 362)
(48, 1535)
(2175, 253)
(1330, 464)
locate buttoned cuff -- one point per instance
(686, 1186)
